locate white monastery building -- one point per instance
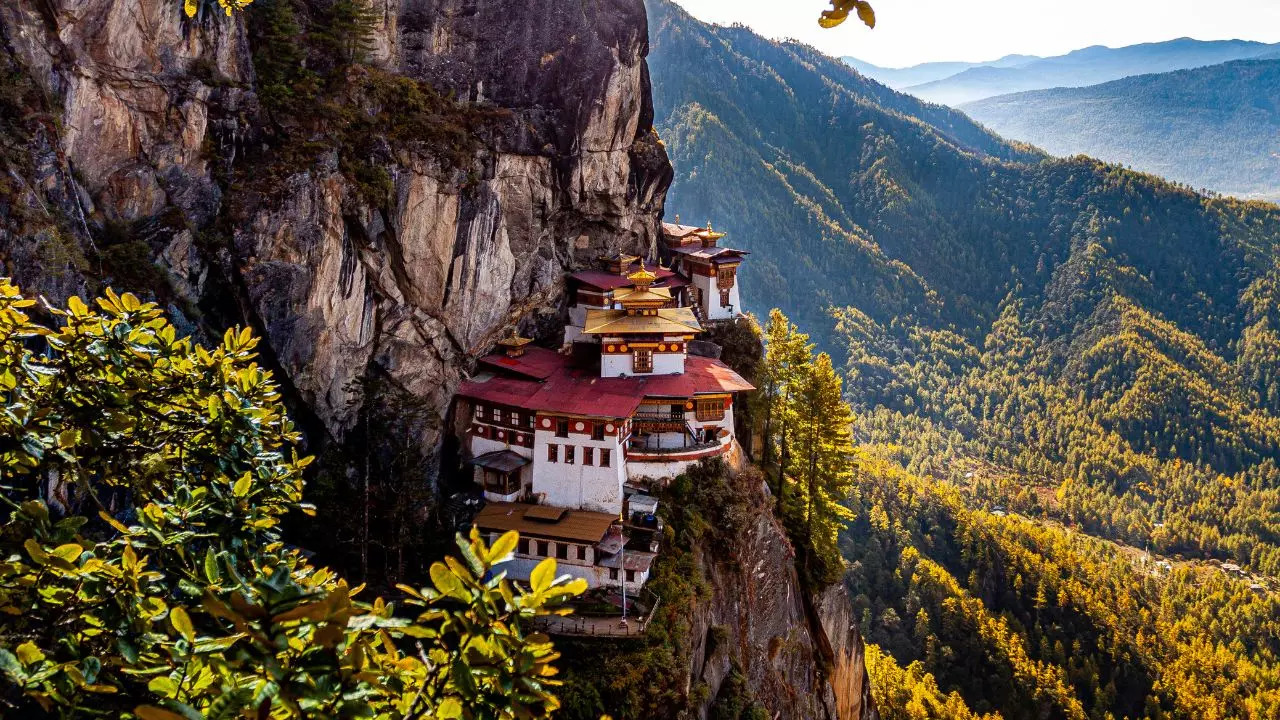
(564, 443)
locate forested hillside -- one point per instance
(1215, 127)
(1076, 362)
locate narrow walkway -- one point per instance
(591, 626)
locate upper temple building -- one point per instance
(564, 443)
(712, 269)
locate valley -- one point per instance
(1092, 343)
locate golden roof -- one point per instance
(636, 296)
(667, 321)
(709, 233)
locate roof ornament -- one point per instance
(642, 278)
(514, 344)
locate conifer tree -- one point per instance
(787, 351)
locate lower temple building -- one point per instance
(565, 445)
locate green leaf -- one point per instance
(36, 552)
(503, 547)
(542, 576)
(29, 653)
(69, 552)
(211, 567)
(164, 686)
(9, 664)
(241, 488)
(182, 623)
(446, 582)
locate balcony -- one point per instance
(669, 416)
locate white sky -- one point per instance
(915, 31)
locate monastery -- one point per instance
(565, 445)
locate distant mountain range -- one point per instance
(1087, 66)
(1215, 127)
(899, 78)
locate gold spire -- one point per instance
(642, 278)
(514, 343)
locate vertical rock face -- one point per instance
(802, 656)
(421, 287)
(151, 103)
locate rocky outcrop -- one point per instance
(802, 656)
(152, 105)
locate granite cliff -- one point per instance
(147, 151)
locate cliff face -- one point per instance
(141, 111)
(802, 656)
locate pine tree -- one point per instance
(787, 352)
(343, 35)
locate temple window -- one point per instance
(604, 457)
(562, 428)
(587, 456)
(568, 454)
(642, 360)
(553, 453)
(709, 410)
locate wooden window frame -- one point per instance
(704, 413)
(604, 457)
(562, 428)
(553, 453)
(639, 366)
(569, 454)
(588, 456)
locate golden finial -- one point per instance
(514, 343)
(642, 277)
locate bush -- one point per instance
(144, 572)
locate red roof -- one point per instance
(537, 363)
(576, 391)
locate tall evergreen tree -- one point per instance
(822, 464)
(787, 351)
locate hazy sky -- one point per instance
(915, 31)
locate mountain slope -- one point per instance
(1215, 127)
(1087, 66)
(1088, 347)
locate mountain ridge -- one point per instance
(1085, 66)
(1215, 127)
